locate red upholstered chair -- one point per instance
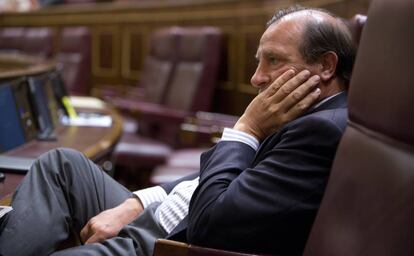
(154, 78)
(190, 88)
(368, 204)
(38, 42)
(11, 39)
(155, 75)
(198, 133)
(74, 55)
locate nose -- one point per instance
(260, 78)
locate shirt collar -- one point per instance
(325, 100)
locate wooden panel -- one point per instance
(106, 51)
(134, 49)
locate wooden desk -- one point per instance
(95, 142)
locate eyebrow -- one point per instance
(267, 52)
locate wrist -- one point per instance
(132, 207)
(243, 127)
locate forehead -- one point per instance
(285, 35)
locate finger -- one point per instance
(304, 104)
(291, 85)
(281, 80)
(299, 93)
(85, 233)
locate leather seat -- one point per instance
(154, 80)
(368, 204)
(74, 56)
(190, 88)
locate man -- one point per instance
(258, 189)
(266, 200)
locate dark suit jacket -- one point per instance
(266, 201)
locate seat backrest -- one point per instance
(368, 205)
(74, 55)
(38, 42)
(160, 63)
(195, 76)
(11, 39)
(356, 25)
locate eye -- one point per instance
(272, 60)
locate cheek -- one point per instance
(278, 72)
(313, 69)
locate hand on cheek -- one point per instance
(288, 97)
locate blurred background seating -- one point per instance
(190, 88)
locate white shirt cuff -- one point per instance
(151, 195)
(234, 135)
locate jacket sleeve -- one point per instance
(243, 198)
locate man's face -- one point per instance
(278, 52)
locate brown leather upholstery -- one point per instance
(368, 205)
(38, 42)
(75, 57)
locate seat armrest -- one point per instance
(151, 111)
(109, 92)
(204, 128)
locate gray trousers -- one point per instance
(60, 193)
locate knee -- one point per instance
(60, 159)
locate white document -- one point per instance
(88, 119)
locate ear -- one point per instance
(328, 62)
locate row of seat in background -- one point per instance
(71, 47)
(30, 108)
(179, 77)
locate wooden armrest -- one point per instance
(165, 247)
